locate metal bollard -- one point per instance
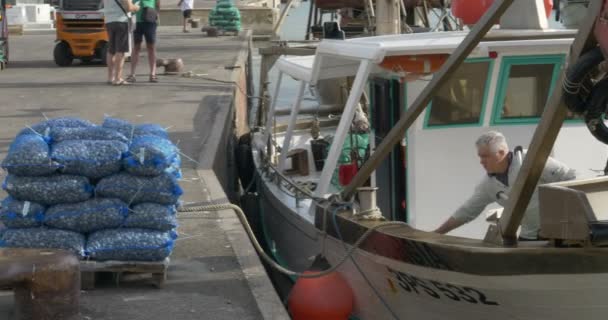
(46, 283)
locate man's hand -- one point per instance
(448, 226)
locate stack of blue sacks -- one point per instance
(104, 192)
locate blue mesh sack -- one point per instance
(49, 190)
(130, 245)
(43, 238)
(150, 129)
(29, 155)
(162, 189)
(124, 127)
(89, 158)
(21, 214)
(152, 216)
(175, 168)
(87, 216)
(149, 156)
(43, 128)
(89, 133)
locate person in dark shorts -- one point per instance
(186, 6)
(145, 30)
(117, 27)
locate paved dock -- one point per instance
(214, 271)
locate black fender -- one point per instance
(596, 109)
(577, 84)
(244, 162)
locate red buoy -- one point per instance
(470, 11)
(325, 298)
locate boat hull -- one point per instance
(293, 241)
(416, 292)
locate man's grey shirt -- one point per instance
(489, 189)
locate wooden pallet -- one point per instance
(155, 272)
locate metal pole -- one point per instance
(345, 121)
(442, 76)
(292, 123)
(308, 26)
(277, 27)
(543, 139)
(273, 106)
(388, 20)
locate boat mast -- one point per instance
(388, 17)
(442, 76)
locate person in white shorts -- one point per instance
(186, 7)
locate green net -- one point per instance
(225, 16)
(354, 141)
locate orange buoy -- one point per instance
(423, 63)
(470, 11)
(325, 298)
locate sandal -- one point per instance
(153, 78)
(131, 79)
(121, 82)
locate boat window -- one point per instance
(460, 101)
(524, 86)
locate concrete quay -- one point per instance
(214, 272)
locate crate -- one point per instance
(153, 271)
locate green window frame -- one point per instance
(557, 60)
(479, 123)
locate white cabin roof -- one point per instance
(339, 58)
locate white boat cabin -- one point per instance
(503, 85)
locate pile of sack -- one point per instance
(225, 16)
(103, 192)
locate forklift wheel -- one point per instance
(62, 54)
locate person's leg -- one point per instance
(122, 46)
(138, 37)
(119, 61)
(134, 59)
(187, 16)
(151, 57)
(110, 63)
(151, 47)
(111, 51)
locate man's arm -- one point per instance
(130, 6)
(449, 225)
(470, 210)
(556, 171)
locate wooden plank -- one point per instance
(442, 76)
(156, 271)
(543, 140)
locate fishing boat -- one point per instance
(311, 166)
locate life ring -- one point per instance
(421, 64)
(577, 84)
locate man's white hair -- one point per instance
(494, 140)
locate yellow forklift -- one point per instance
(81, 32)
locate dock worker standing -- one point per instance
(116, 13)
(502, 167)
(186, 6)
(145, 28)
